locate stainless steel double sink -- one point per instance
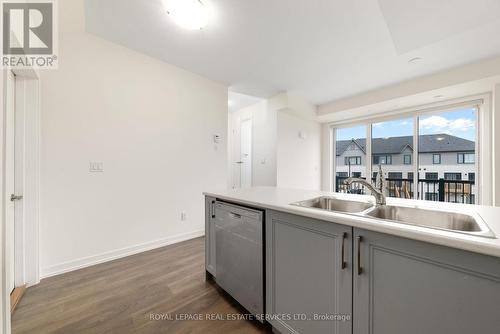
(466, 223)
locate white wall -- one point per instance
(149, 122)
(280, 157)
(263, 142)
(298, 157)
(496, 145)
(326, 157)
(298, 152)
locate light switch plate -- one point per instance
(96, 167)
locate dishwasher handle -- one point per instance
(236, 212)
(234, 215)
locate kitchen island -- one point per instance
(332, 272)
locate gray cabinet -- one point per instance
(210, 235)
(412, 287)
(308, 274)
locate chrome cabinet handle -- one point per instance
(359, 240)
(14, 198)
(212, 208)
(344, 263)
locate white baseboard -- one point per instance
(116, 254)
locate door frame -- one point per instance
(242, 120)
(28, 100)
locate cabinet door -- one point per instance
(412, 287)
(308, 274)
(210, 235)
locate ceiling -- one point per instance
(237, 101)
(322, 50)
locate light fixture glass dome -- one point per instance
(189, 14)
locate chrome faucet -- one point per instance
(378, 193)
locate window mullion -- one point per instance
(416, 175)
(333, 159)
(369, 152)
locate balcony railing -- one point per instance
(440, 190)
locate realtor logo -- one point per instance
(29, 34)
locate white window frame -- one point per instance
(483, 149)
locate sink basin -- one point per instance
(334, 204)
(452, 221)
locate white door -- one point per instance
(14, 183)
(246, 153)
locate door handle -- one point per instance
(360, 268)
(343, 264)
(238, 162)
(212, 208)
(14, 198)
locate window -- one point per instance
(431, 176)
(472, 177)
(446, 148)
(466, 158)
(447, 145)
(382, 160)
(350, 147)
(352, 161)
(453, 176)
(392, 142)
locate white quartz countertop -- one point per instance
(280, 199)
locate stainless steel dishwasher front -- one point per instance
(239, 254)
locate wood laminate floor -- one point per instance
(128, 295)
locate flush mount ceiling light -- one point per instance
(189, 14)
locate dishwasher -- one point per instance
(239, 254)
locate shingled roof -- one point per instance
(427, 144)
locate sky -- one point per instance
(460, 123)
